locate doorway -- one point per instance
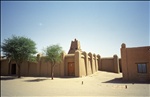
(13, 69)
(71, 69)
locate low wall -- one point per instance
(29, 68)
(85, 64)
(110, 64)
(4, 67)
(107, 64)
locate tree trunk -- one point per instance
(9, 61)
(52, 72)
(19, 73)
(40, 69)
(28, 68)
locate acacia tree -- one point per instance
(18, 49)
(53, 55)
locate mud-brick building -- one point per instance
(135, 63)
(76, 63)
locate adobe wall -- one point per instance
(25, 66)
(110, 64)
(77, 64)
(134, 56)
(43, 68)
(120, 66)
(92, 63)
(30, 68)
(130, 58)
(4, 67)
(62, 65)
(107, 64)
(83, 66)
(89, 66)
(57, 70)
(68, 58)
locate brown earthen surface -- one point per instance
(103, 84)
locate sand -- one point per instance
(102, 84)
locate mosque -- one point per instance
(134, 64)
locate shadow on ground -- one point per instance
(36, 80)
(48, 78)
(121, 81)
(68, 77)
(8, 77)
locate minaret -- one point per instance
(75, 45)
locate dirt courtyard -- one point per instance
(102, 84)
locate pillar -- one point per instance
(77, 63)
(116, 64)
(86, 63)
(124, 62)
(62, 65)
(99, 62)
(96, 61)
(91, 62)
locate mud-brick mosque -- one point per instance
(134, 64)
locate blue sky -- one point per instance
(101, 27)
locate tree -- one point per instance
(19, 49)
(53, 55)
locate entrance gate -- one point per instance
(71, 69)
(13, 69)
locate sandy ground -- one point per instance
(102, 84)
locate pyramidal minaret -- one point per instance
(75, 45)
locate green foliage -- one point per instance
(53, 54)
(19, 48)
(38, 58)
(32, 59)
